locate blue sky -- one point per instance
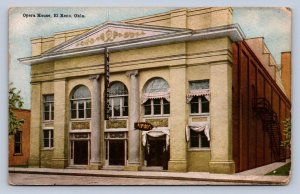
(274, 24)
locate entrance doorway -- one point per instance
(116, 152)
(156, 152)
(81, 152)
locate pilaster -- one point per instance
(177, 118)
(95, 162)
(35, 125)
(221, 118)
(60, 159)
(134, 135)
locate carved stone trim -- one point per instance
(80, 125)
(116, 124)
(199, 119)
(158, 122)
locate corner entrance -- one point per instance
(156, 152)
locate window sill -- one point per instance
(48, 121)
(81, 119)
(47, 149)
(156, 116)
(118, 118)
(199, 114)
(199, 150)
(18, 154)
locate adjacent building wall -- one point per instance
(21, 159)
(251, 79)
(286, 72)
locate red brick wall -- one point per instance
(286, 72)
(250, 79)
(21, 159)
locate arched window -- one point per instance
(156, 97)
(81, 103)
(118, 100)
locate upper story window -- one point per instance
(156, 97)
(118, 100)
(199, 96)
(81, 103)
(49, 107)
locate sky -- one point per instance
(274, 24)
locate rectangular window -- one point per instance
(88, 108)
(195, 105)
(125, 106)
(118, 106)
(166, 107)
(198, 140)
(204, 105)
(18, 143)
(157, 106)
(49, 107)
(147, 107)
(48, 138)
(80, 109)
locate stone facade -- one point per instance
(189, 45)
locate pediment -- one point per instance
(113, 33)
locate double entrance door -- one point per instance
(156, 152)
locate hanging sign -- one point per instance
(106, 84)
(143, 126)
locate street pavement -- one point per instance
(46, 179)
(49, 176)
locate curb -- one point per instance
(255, 180)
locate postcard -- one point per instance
(149, 96)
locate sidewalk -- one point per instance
(253, 176)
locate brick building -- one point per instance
(19, 144)
(183, 71)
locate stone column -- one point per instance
(95, 162)
(134, 135)
(177, 120)
(221, 118)
(60, 151)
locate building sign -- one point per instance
(143, 126)
(106, 84)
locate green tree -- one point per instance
(287, 133)
(15, 102)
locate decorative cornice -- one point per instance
(232, 31)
